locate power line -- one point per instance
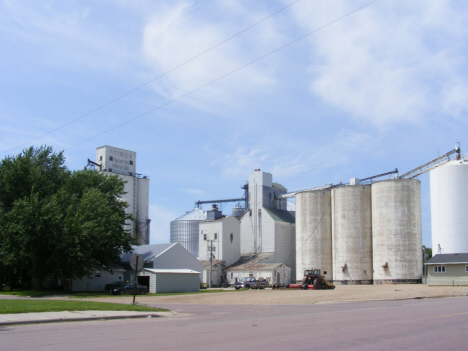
(154, 79)
(225, 75)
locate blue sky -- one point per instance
(366, 92)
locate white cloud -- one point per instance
(195, 192)
(66, 35)
(455, 98)
(174, 35)
(387, 63)
(293, 159)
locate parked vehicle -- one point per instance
(250, 283)
(128, 289)
(111, 286)
(312, 280)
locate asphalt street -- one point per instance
(422, 324)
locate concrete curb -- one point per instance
(68, 318)
(390, 299)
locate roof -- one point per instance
(206, 263)
(279, 186)
(259, 262)
(456, 258)
(220, 219)
(113, 266)
(149, 252)
(172, 271)
(197, 214)
(280, 215)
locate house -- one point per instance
(98, 278)
(448, 269)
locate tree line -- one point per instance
(57, 224)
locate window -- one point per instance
(466, 268)
(232, 238)
(100, 158)
(111, 158)
(208, 248)
(216, 236)
(232, 274)
(439, 269)
(131, 163)
(204, 236)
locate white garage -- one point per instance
(171, 280)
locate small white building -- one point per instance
(218, 272)
(98, 278)
(163, 256)
(448, 269)
(260, 266)
(171, 280)
(123, 163)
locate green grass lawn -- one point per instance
(29, 305)
(93, 294)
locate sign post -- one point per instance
(136, 262)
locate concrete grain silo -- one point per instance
(352, 234)
(396, 231)
(449, 208)
(313, 232)
(185, 230)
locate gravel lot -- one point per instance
(342, 293)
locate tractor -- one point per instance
(312, 281)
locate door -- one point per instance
(144, 280)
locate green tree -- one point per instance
(56, 222)
(92, 229)
(427, 255)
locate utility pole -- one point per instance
(211, 262)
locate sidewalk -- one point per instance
(72, 316)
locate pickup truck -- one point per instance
(250, 283)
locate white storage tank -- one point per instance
(396, 231)
(352, 234)
(313, 232)
(449, 208)
(185, 230)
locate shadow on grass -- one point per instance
(97, 294)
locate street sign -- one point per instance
(136, 262)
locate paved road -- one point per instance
(428, 324)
